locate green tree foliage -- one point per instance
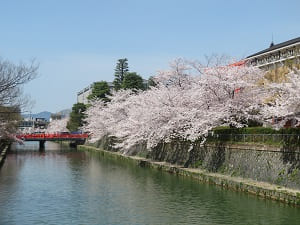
(100, 90)
(133, 81)
(76, 117)
(120, 71)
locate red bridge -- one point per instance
(42, 138)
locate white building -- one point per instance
(83, 94)
(276, 55)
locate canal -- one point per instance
(63, 186)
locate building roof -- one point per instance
(280, 45)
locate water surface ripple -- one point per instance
(71, 187)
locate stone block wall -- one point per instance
(275, 165)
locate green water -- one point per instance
(62, 186)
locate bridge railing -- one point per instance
(40, 136)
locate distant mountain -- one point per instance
(47, 115)
(44, 114)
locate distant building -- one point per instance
(33, 123)
(276, 55)
(40, 123)
(24, 124)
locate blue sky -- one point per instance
(77, 42)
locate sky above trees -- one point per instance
(79, 42)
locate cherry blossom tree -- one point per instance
(6, 128)
(58, 125)
(283, 102)
(189, 100)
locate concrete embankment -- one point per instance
(3, 151)
(262, 189)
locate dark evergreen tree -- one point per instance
(76, 117)
(100, 90)
(133, 81)
(120, 71)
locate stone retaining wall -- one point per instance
(3, 151)
(263, 189)
(275, 165)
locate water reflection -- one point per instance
(34, 146)
(64, 186)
